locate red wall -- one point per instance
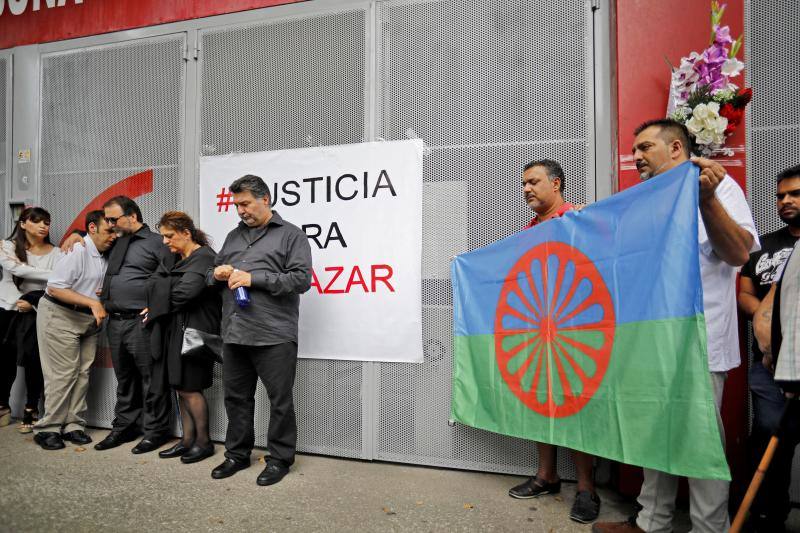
(92, 17)
(647, 32)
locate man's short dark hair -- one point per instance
(93, 217)
(669, 130)
(127, 205)
(552, 168)
(251, 183)
(791, 172)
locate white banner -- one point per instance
(361, 207)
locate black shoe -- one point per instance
(149, 444)
(78, 436)
(273, 473)
(228, 468)
(49, 440)
(198, 453)
(533, 488)
(114, 439)
(176, 451)
(586, 507)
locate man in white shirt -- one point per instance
(726, 235)
(69, 316)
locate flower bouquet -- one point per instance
(702, 95)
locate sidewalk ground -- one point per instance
(80, 489)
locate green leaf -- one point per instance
(737, 44)
(702, 95)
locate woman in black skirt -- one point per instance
(178, 298)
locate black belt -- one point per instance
(124, 315)
(71, 307)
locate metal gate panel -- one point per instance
(489, 88)
(286, 84)
(4, 133)
(107, 113)
(773, 128)
(292, 83)
(774, 118)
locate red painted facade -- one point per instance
(648, 34)
(93, 17)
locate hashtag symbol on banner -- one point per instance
(225, 200)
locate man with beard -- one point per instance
(135, 256)
(270, 259)
(771, 506)
(726, 237)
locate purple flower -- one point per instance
(722, 35)
(715, 54)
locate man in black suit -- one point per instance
(135, 256)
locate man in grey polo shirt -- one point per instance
(135, 256)
(271, 258)
(69, 316)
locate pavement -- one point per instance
(79, 489)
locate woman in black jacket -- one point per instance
(191, 304)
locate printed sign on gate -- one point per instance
(360, 206)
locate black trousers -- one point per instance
(130, 355)
(34, 379)
(772, 504)
(8, 359)
(276, 366)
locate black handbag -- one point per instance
(201, 345)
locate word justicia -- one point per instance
(327, 189)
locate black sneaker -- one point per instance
(586, 507)
(533, 488)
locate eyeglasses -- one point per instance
(113, 220)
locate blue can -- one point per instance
(242, 296)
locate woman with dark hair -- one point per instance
(27, 258)
(190, 305)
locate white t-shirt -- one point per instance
(719, 281)
(34, 273)
(81, 270)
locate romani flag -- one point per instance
(588, 332)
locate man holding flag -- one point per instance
(543, 187)
(727, 235)
(598, 330)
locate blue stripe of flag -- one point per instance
(643, 242)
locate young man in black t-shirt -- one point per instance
(771, 506)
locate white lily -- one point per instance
(732, 67)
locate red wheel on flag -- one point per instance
(554, 329)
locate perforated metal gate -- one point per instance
(773, 59)
(107, 113)
(489, 87)
(487, 90)
(5, 174)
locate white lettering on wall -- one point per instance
(18, 7)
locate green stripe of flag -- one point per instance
(654, 407)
